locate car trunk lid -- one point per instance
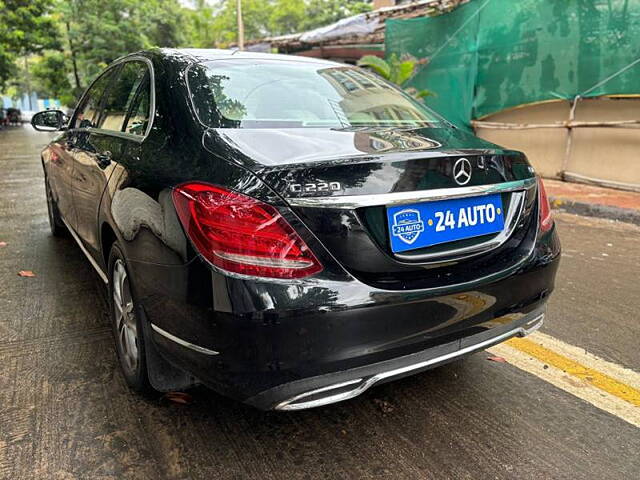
(341, 183)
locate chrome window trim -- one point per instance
(152, 101)
(182, 342)
(113, 133)
(349, 202)
(365, 384)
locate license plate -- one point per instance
(430, 223)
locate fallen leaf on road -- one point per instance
(179, 397)
(3, 244)
(26, 273)
(497, 359)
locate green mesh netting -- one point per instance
(488, 55)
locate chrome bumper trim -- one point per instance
(298, 403)
(184, 343)
(402, 198)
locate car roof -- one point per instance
(200, 55)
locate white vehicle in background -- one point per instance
(25, 116)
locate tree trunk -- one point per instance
(73, 57)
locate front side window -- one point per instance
(280, 94)
(121, 95)
(87, 114)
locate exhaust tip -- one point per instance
(531, 326)
(325, 395)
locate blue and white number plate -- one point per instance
(424, 224)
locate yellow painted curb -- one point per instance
(594, 377)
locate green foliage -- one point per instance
(377, 64)
(397, 70)
(264, 18)
(323, 12)
(98, 32)
(286, 16)
(68, 42)
(403, 71)
(199, 24)
(255, 13)
(25, 27)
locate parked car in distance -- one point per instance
(292, 231)
(13, 116)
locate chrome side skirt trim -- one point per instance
(95, 265)
(298, 403)
(184, 343)
(402, 198)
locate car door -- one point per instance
(75, 144)
(103, 146)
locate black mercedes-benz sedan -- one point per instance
(291, 231)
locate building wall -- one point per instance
(36, 104)
(383, 3)
(608, 156)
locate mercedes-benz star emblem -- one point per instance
(462, 171)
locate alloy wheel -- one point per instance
(125, 317)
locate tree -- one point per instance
(98, 32)
(51, 76)
(27, 27)
(255, 14)
(71, 41)
(264, 18)
(324, 12)
(286, 16)
(199, 22)
(397, 70)
(94, 33)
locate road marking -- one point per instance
(594, 377)
(580, 355)
(608, 386)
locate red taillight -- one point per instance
(241, 234)
(546, 220)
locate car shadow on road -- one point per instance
(374, 432)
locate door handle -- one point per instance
(103, 159)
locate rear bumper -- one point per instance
(336, 387)
(268, 343)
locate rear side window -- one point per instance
(138, 118)
(87, 115)
(122, 95)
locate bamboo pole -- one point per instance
(566, 124)
(240, 25)
(567, 153)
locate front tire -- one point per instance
(126, 323)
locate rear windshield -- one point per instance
(278, 94)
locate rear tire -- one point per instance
(126, 322)
(58, 228)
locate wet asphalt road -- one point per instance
(65, 411)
